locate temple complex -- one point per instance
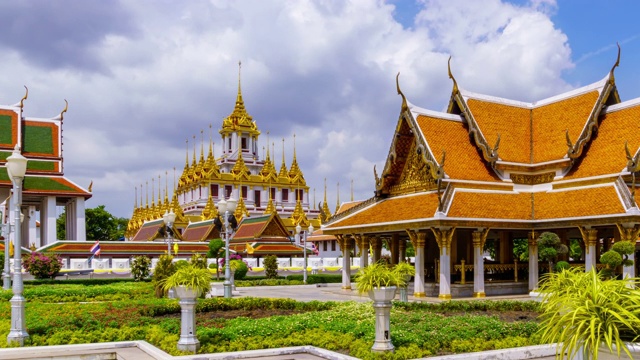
(497, 170)
(239, 172)
(44, 187)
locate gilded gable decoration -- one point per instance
(527, 179)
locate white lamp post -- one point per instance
(6, 278)
(16, 168)
(227, 208)
(169, 218)
(302, 235)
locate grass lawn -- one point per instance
(75, 313)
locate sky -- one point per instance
(142, 77)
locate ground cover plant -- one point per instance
(62, 313)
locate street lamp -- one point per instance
(304, 249)
(169, 218)
(6, 278)
(228, 208)
(16, 169)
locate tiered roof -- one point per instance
(494, 162)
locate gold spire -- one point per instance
(295, 174)
(239, 118)
(194, 164)
(200, 166)
(209, 212)
(283, 169)
(351, 190)
(271, 209)
(268, 170)
(240, 169)
(241, 208)
(338, 199)
(325, 213)
(298, 216)
(184, 178)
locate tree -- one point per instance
(616, 256)
(549, 247)
(100, 225)
(215, 246)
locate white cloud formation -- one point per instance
(322, 69)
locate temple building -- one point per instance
(238, 172)
(495, 169)
(44, 187)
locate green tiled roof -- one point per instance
(38, 139)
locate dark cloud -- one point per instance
(62, 34)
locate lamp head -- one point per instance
(298, 229)
(171, 216)
(311, 229)
(231, 204)
(222, 206)
(17, 164)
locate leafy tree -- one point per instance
(271, 267)
(100, 225)
(140, 267)
(490, 247)
(215, 248)
(616, 256)
(549, 247)
(164, 268)
(521, 249)
(198, 261)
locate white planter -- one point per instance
(605, 354)
(186, 293)
(383, 294)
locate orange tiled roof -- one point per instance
(347, 205)
(540, 128)
(513, 123)
(550, 123)
(462, 158)
(486, 205)
(577, 203)
(396, 209)
(606, 154)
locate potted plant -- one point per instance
(405, 270)
(380, 282)
(189, 281)
(590, 315)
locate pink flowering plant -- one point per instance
(42, 266)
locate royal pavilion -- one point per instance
(496, 169)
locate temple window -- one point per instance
(244, 192)
(244, 144)
(214, 190)
(333, 245)
(285, 195)
(227, 191)
(273, 194)
(324, 246)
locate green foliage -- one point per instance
(549, 247)
(180, 264)
(100, 225)
(140, 267)
(164, 268)
(239, 268)
(271, 266)
(575, 250)
(42, 266)
(490, 247)
(199, 261)
(1, 260)
(404, 269)
(375, 276)
(189, 276)
(616, 256)
(521, 249)
(215, 251)
(581, 309)
(318, 278)
(562, 265)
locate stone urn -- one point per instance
(382, 298)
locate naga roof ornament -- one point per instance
(26, 95)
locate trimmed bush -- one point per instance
(140, 267)
(271, 267)
(164, 268)
(42, 266)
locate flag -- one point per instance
(175, 248)
(314, 248)
(10, 248)
(95, 250)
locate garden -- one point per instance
(105, 310)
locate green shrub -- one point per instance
(317, 278)
(140, 267)
(199, 261)
(180, 264)
(164, 268)
(562, 265)
(1, 258)
(42, 266)
(239, 268)
(271, 266)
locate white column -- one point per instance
(419, 241)
(48, 219)
(70, 228)
(590, 238)
(364, 251)
(533, 260)
(443, 238)
(346, 263)
(32, 228)
(479, 238)
(80, 225)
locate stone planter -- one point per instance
(188, 340)
(382, 305)
(605, 354)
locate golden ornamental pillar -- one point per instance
(393, 246)
(376, 248)
(479, 239)
(533, 260)
(444, 238)
(590, 239)
(418, 239)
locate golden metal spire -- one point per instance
(283, 169)
(153, 190)
(351, 190)
(135, 205)
(194, 151)
(338, 199)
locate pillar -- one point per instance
(533, 260)
(590, 239)
(505, 250)
(402, 250)
(418, 239)
(629, 232)
(363, 244)
(393, 246)
(346, 261)
(48, 219)
(444, 237)
(376, 246)
(479, 238)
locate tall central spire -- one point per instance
(239, 118)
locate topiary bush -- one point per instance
(198, 261)
(271, 267)
(239, 268)
(164, 268)
(562, 265)
(42, 266)
(617, 256)
(140, 267)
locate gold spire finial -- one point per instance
(66, 107)
(338, 199)
(159, 189)
(135, 205)
(153, 190)
(202, 145)
(351, 190)
(404, 99)
(210, 141)
(194, 150)
(166, 186)
(147, 191)
(187, 163)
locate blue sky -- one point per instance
(141, 77)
